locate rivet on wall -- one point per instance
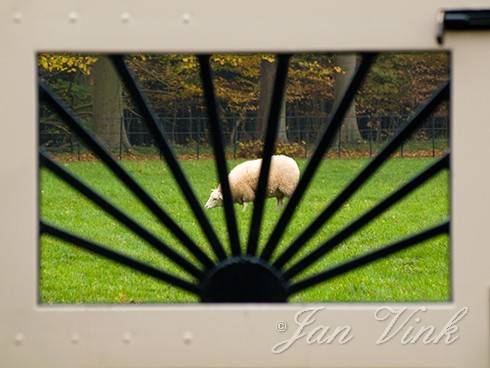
(187, 337)
(19, 338)
(75, 338)
(127, 337)
(125, 17)
(186, 18)
(73, 17)
(17, 17)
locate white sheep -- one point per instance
(283, 178)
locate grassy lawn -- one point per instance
(69, 275)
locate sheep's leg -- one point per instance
(279, 203)
(248, 195)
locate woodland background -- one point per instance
(397, 84)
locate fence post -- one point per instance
(78, 149)
(160, 124)
(447, 131)
(121, 138)
(199, 123)
(370, 141)
(235, 138)
(72, 146)
(339, 135)
(401, 149)
(433, 138)
(306, 149)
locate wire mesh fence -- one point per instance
(188, 136)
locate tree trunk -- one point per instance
(236, 126)
(266, 85)
(350, 130)
(108, 106)
(282, 136)
(82, 102)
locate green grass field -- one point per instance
(69, 275)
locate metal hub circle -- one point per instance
(243, 279)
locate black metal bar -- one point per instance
(467, 19)
(92, 142)
(124, 219)
(462, 20)
(361, 221)
(324, 144)
(118, 258)
(368, 258)
(151, 120)
(216, 135)
(417, 119)
(270, 137)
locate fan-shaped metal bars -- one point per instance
(244, 276)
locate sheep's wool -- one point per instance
(283, 178)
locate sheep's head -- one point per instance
(215, 199)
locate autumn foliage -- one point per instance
(396, 84)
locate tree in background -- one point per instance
(107, 105)
(349, 132)
(399, 82)
(92, 88)
(243, 83)
(396, 84)
(67, 74)
(266, 85)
